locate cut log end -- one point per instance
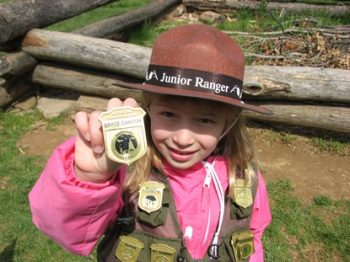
(32, 39)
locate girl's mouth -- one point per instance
(180, 156)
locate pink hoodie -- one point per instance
(75, 213)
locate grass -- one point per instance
(245, 20)
(315, 232)
(97, 14)
(298, 230)
(330, 145)
(19, 239)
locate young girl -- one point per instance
(195, 195)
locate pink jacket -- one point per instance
(75, 213)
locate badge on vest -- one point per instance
(242, 244)
(243, 193)
(162, 253)
(124, 134)
(151, 196)
(128, 249)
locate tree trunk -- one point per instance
(297, 83)
(110, 26)
(90, 82)
(89, 52)
(16, 64)
(109, 85)
(19, 16)
(90, 104)
(10, 91)
(21, 63)
(324, 117)
(225, 6)
(261, 82)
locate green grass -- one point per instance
(299, 230)
(97, 14)
(19, 239)
(296, 229)
(330, 145)
(147, 34)
(246, 20)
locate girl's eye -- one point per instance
(206, 121)
(167, 114)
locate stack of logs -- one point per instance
(300, 96)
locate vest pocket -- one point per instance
(240, 245)
(239, 212)
(158, 217)
(128, 249)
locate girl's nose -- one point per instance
(183, 137)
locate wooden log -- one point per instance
(331, 118)
(297, 83)
(10, 91)
(21, 63)
(88, 52)
(16, 64)
(225, 6)
(90, 82)
(19, 16)
(110, 85)
(91, 103)
(110, 26)
(260, 82)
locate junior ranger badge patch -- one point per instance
(150, 196)
(243, 193)
(124, 134)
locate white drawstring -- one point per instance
(220, 192)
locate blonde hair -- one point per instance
(235, 146)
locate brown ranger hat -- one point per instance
(198, 61)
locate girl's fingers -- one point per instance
(114, 102)
(82, 125)
(96, 136)
(130, 102)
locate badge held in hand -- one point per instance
(124, 134)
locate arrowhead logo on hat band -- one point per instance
(196, 80)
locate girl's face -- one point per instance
(185, 131)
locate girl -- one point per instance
(195, 195)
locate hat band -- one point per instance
(194, 80)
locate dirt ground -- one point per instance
(311, 172)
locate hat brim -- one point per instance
(190, 93)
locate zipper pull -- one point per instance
(205, 192)
(188, 235)
(207, 179)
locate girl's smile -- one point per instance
(185, 131)
(181, 156)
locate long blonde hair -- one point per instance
(235, 146)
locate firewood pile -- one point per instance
(301, 88)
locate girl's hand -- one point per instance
(91, 162)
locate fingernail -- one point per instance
(87, 136)
(98, 149)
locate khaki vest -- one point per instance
(139, 236)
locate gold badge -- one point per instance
(162, 253)
(243, 245)
(124, 134)
(128, 249)
(151, 196)
(243, 193)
